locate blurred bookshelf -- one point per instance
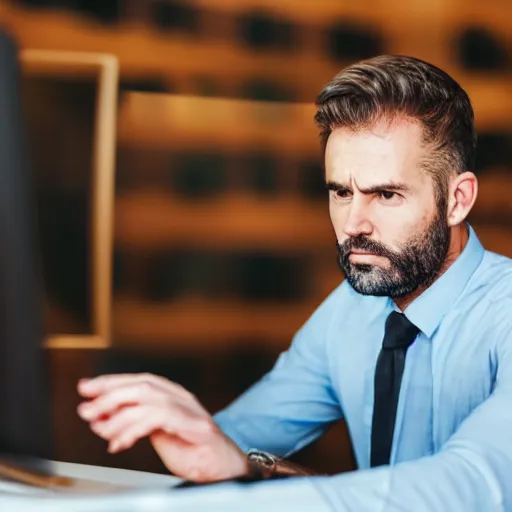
(219, 171)
(219, 230)
(223, 244)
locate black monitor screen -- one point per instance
(25, 415)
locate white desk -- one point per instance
(93, 480)
(136, 491)
(113, 476)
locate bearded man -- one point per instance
(413, 349)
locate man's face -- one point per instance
(392, 235)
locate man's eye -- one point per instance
(386, 194)
(342, 194)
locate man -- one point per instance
(413, 349)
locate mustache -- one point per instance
(364, 244)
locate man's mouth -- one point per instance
(361, 251)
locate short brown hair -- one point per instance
(393, 86)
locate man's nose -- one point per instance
(358, 221)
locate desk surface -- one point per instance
(93, 480)
(114, 476)
(136, 491)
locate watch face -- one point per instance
(262, 458)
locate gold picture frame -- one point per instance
(106, 68)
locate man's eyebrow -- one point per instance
(390, 186)
(334, 185)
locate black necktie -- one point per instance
(398, 336)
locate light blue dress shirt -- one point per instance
(452, 446)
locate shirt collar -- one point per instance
(427, 311)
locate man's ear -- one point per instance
(462, 193)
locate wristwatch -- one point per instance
(263, 465)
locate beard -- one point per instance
(416, 263)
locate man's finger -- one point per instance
(110, 427)
(182, 424)
(108, 403)
(129, 415)
(90, 388)
(127, 437)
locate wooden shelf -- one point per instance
(196, 323)
(491, 98)
(142, 51)
(493, 15)
(148, 221)
(319, 13)
(149, 120)
(76, 342)
(324, 12)
(145, 52)
(186, 122)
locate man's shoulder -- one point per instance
(494, 277)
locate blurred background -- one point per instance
(222, 244)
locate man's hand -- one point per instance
(125, 408)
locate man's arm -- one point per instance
(291, 406)
(472, 473)
(295, 402)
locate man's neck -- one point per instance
(459, 239)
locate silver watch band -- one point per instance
(262, 458)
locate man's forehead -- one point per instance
(366, 168)
(373, 156)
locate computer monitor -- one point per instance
(25, 405)
(43, 96)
